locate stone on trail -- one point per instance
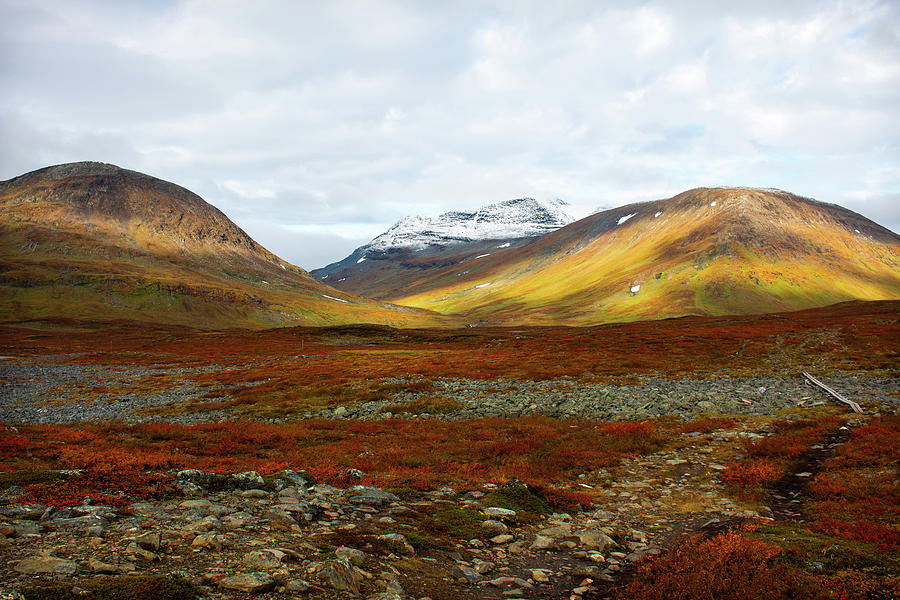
(353, 556)
(557, 533)
(249, 480)
(252, 583)
(542, 542)
(34, 565)
(337, 574)
(594, 538)
(264, 559)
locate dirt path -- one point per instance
(792, 489)
(789, 494)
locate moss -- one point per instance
(435, 405)
(421, 542)
(23, 478)
(520, 498)
(836, 554)
(117, 588)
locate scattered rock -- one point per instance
(337, 574)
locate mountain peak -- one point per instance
(516, 218)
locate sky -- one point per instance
(316, 125)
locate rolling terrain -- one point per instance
(94, 241)
(708, 251)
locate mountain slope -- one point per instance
(408, 253)
(706, 251)
(92, 240)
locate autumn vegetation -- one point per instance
(120, 463)
(851, 529)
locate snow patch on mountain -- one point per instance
(523, 217)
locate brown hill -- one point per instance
(92, 240)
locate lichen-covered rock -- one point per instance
(251, 583)
(34, 565)
(264, 559)
(337, 574)
(594, 538)
(352, 555)
(249, 480)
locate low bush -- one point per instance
(730, 566)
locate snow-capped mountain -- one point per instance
(415, 245)
(522, 217)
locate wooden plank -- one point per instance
(856, 407)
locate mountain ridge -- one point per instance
(794, 252)
(93, 239)
(416, 244)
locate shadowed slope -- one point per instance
(91, 240)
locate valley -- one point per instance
(367, 461)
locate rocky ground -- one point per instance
(286, 537)
(289, 539)
(42, 390)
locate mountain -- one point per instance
(707, 251)
(415, 246)
(94, 241)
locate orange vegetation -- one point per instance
(730, 566)
(284, 372)
(395, 452)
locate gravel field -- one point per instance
(46, 391)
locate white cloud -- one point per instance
(291, 116)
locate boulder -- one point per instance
(352, 555)
(337, 574)
(264, 559)
(248, 480)
(594, 538)
(251, 583)
(34, 565)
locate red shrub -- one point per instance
(750, 474)
(707, 424)
(730, 566)
(861, 531)
(115, 487)
(856, 585)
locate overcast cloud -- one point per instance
(316, 125)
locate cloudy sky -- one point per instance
(315, 125)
